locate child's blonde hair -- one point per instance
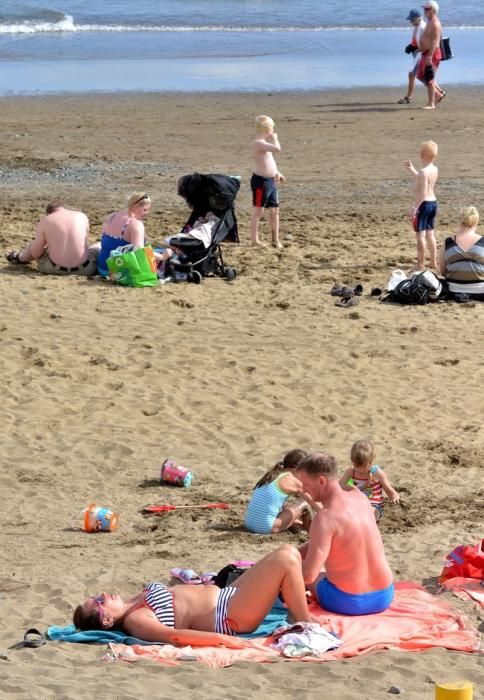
(469, 217)
(430, 149)
(263, 123)
(362, 454)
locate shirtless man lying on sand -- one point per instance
(344, 564)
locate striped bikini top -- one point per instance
(160, 600)
(371, 488)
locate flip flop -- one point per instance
(32, 640)
(186, 576)
(348, 301)
(404, 101)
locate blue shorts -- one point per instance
(332, 599)
(425, 217)
(264, 191)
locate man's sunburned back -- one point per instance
(66, 235)
(356, 561)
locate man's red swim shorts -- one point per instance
(436, 58)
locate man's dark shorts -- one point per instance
(264, 191)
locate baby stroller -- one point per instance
(205, 193)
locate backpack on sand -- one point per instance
(421, 288)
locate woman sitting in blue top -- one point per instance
(124, 228)
(267, 512)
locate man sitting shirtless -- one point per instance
(344, 564)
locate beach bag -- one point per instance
(229, 573)
(466, 561)
(445, 49)
(133, 268)
(419, 289)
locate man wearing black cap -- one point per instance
(418, 24)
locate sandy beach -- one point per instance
(101, 384)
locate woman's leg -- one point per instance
(260, 585)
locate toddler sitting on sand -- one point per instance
(267, 512)
(368, 477)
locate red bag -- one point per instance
(465, 560)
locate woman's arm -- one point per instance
(151, 630)
(136, 232)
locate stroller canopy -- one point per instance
(209, 192)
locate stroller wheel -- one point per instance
(194, 276)
(230, 274)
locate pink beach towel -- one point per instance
(415, 621)
(466, 588)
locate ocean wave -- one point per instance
(67, 24)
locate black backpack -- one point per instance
(415, 290)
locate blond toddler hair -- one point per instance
(263, 123)
(429, 149)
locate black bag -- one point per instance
(419, 289)
(228, 574)
(410, 48)
(445, 49)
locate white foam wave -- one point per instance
(67, 25)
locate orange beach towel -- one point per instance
(415, 621)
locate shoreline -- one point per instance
(253, 63)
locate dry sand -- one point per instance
(100, 384)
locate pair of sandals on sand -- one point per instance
(348, 295)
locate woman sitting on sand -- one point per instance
(203, 615)
(124, 228)
(462, 259)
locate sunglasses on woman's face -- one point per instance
(99, 600)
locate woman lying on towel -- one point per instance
(203, 615)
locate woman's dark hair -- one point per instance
(87, 621)
(291, 460)
(92, 620)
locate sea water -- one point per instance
(243, 45)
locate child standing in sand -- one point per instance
(425, 209)
(368, 477)
(264, 179)
(267, 512)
